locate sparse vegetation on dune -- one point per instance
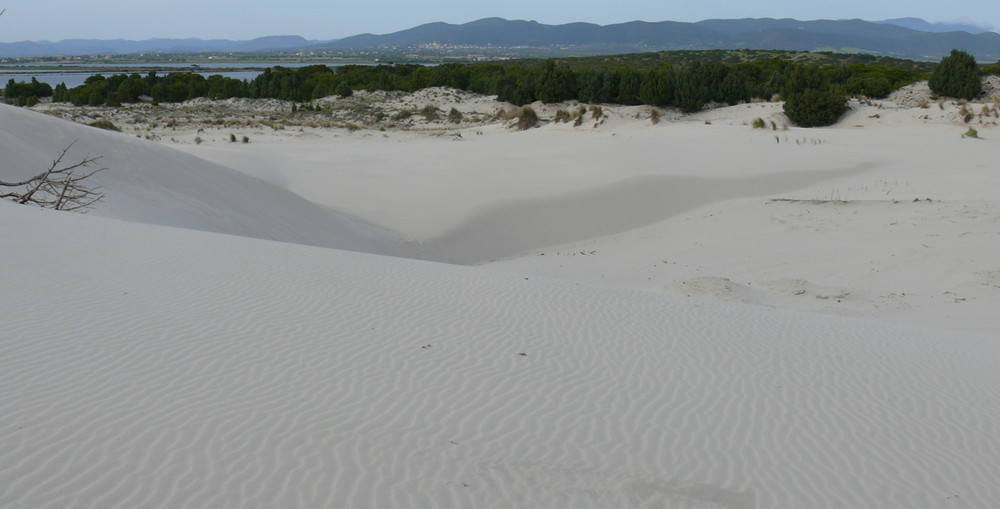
(527, 119)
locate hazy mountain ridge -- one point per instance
(764, 33)
(121, 46)
(924, 26)
(895, 38)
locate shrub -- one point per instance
(344, 89)
(562, 116)
(232, 138)
(104, 124)
(430, 112)
(596, 111)
(758, 123)
(197, 140)
(811, 100)
(455, 116)
(654, 116)
(956, 76)
(246, 139)
(528, 119)
(971, 133)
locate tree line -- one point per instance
(689, 87)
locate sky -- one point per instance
(55, 20)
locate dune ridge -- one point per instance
(149, 183)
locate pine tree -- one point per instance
(811, 100)
(957, 76)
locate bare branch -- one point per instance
(58, 187)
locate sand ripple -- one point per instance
(149, 367)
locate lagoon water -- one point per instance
(73, 78)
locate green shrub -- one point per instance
(344, 89)
(232, 138)
(104, 124)
(562, 115)
(246, 139)
(956, 76)
(811, 100)
(758, 123)
(455, 116)
(971, 133)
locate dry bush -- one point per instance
(455, 116)
(562, 116)
(654, 116)
(59, 187)
(923, 104)
(104, 124)
(758, 123)
(509, 115)
(528, 119)
(430, 112)
(596, 111)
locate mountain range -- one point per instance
(904, 38)
(71, 47)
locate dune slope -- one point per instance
(150, 183)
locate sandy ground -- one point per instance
(689, 313)
(890, 214)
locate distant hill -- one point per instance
(788, 34)
(124, 47)
(909, 38)
(923, 26)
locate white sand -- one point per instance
(146, 365)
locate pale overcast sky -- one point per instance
(315, 19)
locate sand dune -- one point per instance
(149, 183)
(248, 373)
(652, 320)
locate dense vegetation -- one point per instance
(811, 99)
(26, 94)
(817, 92)
(956, 76)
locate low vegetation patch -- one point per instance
(104, 124)
(528, 119)
(430, 112)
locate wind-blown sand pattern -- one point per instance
(684, 354)
(264, 374)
